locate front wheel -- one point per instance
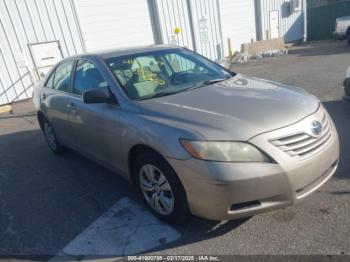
(161, 188)
(347, 89)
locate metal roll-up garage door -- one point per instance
(237, 23)
(108, 24)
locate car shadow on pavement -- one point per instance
(47, 200)
(197, 230)
(339, 110)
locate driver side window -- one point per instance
(87, 77)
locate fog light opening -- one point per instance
(245, 205)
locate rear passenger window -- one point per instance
(62, 77)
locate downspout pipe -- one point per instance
(305, 19)
(258, 23)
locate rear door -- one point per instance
(55, 97)
(95, 127)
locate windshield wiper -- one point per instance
(208, 82)
(167, 93)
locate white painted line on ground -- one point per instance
(125, 229)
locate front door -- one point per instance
(95, 127)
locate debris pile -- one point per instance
(243, 58)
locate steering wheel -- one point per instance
(176, 78)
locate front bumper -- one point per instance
(225, 191)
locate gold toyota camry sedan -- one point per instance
(192, 136)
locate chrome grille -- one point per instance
(302, 145)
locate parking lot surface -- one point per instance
(52, 206)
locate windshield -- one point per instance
(164, 72)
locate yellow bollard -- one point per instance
(230, 53)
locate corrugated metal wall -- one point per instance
(207, 28)
(291, 25)
(199, 21)
(205, 24)
(175, 13)
(31, 21)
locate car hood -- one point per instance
(236, 109)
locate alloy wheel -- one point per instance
(156, 189)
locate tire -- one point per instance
(347, 88)
(161, 188)
(348, 39)
(50, 137)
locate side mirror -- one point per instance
(99, 95)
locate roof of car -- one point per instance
(124, 51)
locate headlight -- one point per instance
(224, 151)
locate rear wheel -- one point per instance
(50, 137)
(161, 188)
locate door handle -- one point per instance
(72, 107)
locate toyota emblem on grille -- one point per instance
(316, 128)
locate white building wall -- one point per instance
(31, 21)
(108, 24)
(291, 25)
(238, 22)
